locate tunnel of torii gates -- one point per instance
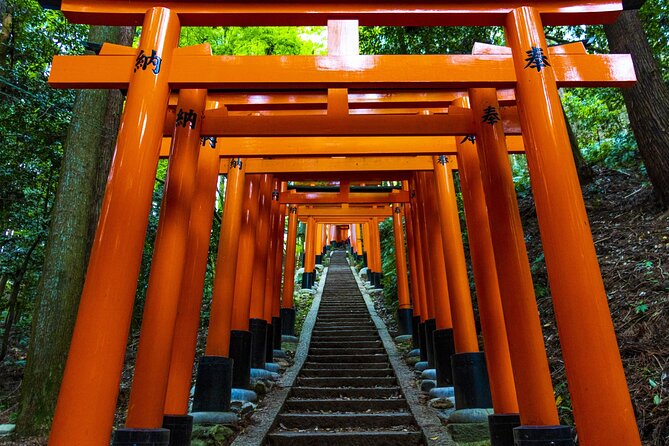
(357, 120)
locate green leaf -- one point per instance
(657, 400)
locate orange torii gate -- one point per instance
(601, 406)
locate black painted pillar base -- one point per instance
(370, 276)
(240, 353)
(405, 320)
(444, 349)
(276, 336)
(430, 327)
(302, 260)
(422, 341)
(415, 331)
(288, 321)
(501, 427)
(258, 329)
(470, 380)
(378, 283)
(364, 260)
(543, 436)
(319, 259)
(213, 384)
(269, 343)
(180, 427)
(141, 437)
(308, 279)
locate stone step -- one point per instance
(341, 381)
(333, 366)
(353, 345)
(392, 392)
(345, 420)
(341, 405)
(347, 372)
(375, 438)
(345, 351)
(347, 358)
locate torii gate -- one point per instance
(535, 74)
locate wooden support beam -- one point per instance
(356, 72)
(341, 198)
(311, 147)
(343, 211)
(307, 12)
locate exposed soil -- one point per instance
(631, 235)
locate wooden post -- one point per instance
(502, 386)
(147, 393)
(603, 410)
(87, 400)
(223, 294)
(192, 284)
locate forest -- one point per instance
(56, 147)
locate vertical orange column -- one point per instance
(222, 297)
(422, 260)
(245, 255)
(526, 342)
(192, 284)
(401, 260)
(464, 328)
(262, 228)
(441, 309)
(354, 239)
(602, 408)
(318, 251)
(377, 248)
(273, 286)
(366, 245)
(309, 253)
(289, 268)
(502, 387)
(147, 394)
(274, 241)
(414, 274)
(87, 400)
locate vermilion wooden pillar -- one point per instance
(240, 336)
(87, 400)
(257, 321)
(526, 342)
(404, 313)
(287, 310)
(502, 386)
(309, 275)
(220, 319)
(192, 284)
(414, 275)
(603, 410)
(147, 393)
(454, 258)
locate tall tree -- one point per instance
(647, 101)
(86, 160)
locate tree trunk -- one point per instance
(85, 166)
(647, 102)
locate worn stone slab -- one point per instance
(225, 418)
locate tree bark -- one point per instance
(85, 166)
(647, 102)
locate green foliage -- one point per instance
(33, 123)
(258, 41)
(389, 267)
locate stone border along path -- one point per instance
(263, 419)
(434, 431)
